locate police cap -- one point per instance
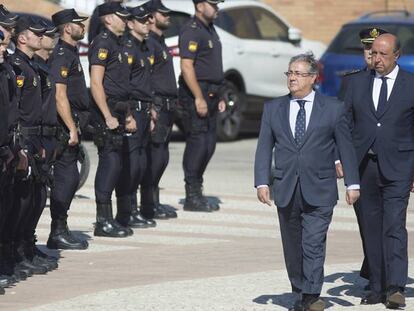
(50, 29)
(7, 13)
(112, 8)
(27, 23)
(368, 35)
(158, 6)
(6, 21)
(141, 11)
(209, 1)
(67, 16)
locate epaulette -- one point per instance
(351, 72)
(17, 61)
(104, 35)
(194, 25)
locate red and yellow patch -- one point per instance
(192, 46)
(20, 81)
(64, 72)
(103, 54)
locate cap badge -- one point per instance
(374, 33)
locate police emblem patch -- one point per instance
(64, 72)
(192, 46)
(130, 59)
(210, 44)
(19, 81)
(151, 59)
(102, 54)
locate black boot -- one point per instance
(61, 238)
(106, 225)
(138, 214)
(10, 267)
(193, 201)
(161, 211)
(24, 262)
(5, 280)
(124, 214)
(213, 206)
(29, 248)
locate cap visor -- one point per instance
(367, 41)
(215, 1)
(142, 17)
(163, 10)
(79, 19)
(8, 23)
(37, 29)
(123, 13)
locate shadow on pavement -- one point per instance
(353, 287)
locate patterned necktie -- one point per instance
(300, 127)
(382, 101)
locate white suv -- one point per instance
(257, 46)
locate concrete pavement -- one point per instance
(228, 260)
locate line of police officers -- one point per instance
(45, 108)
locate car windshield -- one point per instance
(348, 42)
(177, 21)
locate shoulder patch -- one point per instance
(64, 72)
(102, 54)
(192, 46)
(20, 81)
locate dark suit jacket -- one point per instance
(313, 163)
(392, 130)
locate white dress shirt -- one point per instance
(376, 88)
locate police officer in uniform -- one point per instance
(72, 101)
(165, 98)
(367, 37)
(110, 73)
(29, 191)
(95, 23)
(134, 155)
(200, 88)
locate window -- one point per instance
(270, 27)
(238, 22)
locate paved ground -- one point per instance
(229, 260)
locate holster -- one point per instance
(162, 103)
(105, 138)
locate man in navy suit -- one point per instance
(304, 128)
(381, 110)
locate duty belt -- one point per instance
(30, 130)
(49, 130)
(139, 105)
(169, 103)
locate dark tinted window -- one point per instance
(238, 22)
(347, 41)
(177, 21)
(270, 27)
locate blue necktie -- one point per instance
(382, 101)
(300, 126)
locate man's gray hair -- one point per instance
(307, 57)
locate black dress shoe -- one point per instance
(372, 298)
(395, 298)
(148, 222)
(66, 240)
(110, 229)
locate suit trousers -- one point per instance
(303, 228)
(383, 214)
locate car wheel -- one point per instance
(228, 122)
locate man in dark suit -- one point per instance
(381, 110)
(304, 128)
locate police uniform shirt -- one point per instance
(141, 59)
(163, 77)
(29, 92)
(66, 68)
(107, 50)
(49, 114)
(4, 106)
(202, 44)
(12, 93)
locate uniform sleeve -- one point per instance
(99, 52)
(189, 44)
(59, 69)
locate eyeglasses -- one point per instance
(298, 74)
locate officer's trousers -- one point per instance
(66, 181)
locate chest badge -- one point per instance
(164, 55)
(192, 46)
(210, 44)
(142, 63)
(64, 72)
(103, 54)
(151, 59)
(34, 82)
(120, 57)
(20, 81)
(130, 59)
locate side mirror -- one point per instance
(295, 36)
